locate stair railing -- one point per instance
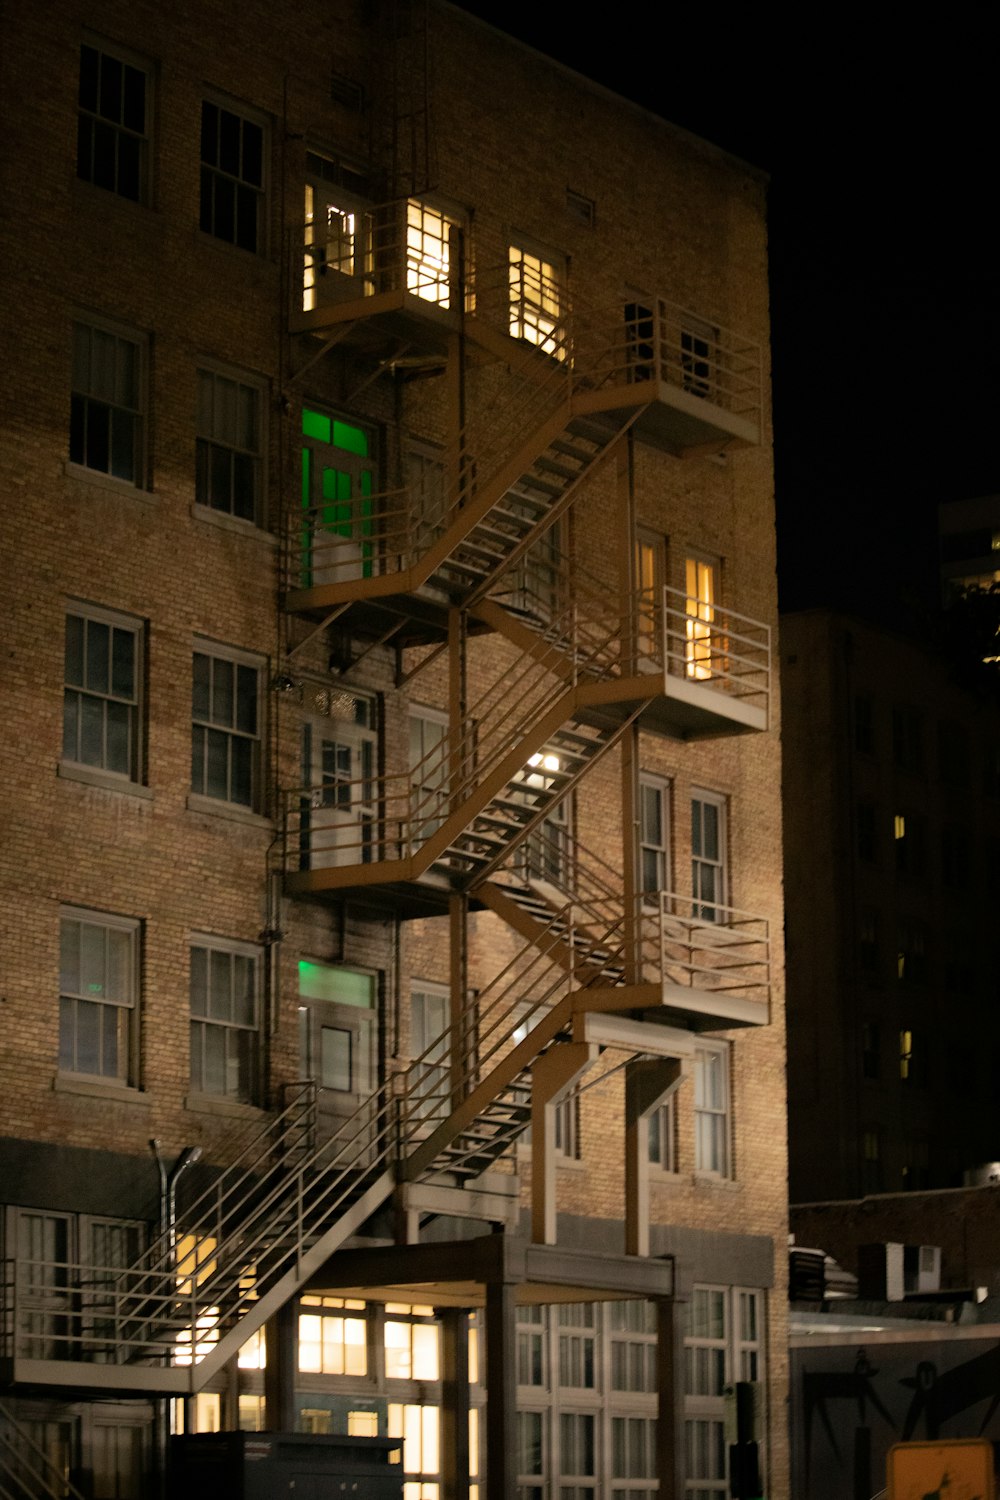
(26, 1470)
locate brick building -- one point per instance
(392, 779)
(892, 836)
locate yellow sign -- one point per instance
(953, 1469)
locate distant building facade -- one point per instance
(892, 841)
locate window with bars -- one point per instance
(101, 693)
(225, 745)
(112, 143)
(225, 1020)
(537, 300)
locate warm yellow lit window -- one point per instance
(331, 1343)
(899, 826)
(411, 1351)
(905, 1053)
(536, 302)
(195, 1261)
(700, 608)
(473, 1353)
(362, 1424)
(252, 1355)
(330, 243)
(428, 253)
(419, 1427)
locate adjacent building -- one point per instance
(892, 820)
(392, 979)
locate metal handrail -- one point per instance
(22, 1458)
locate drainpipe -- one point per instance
(168, 1191)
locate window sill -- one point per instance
(713, 1180)
(230, 810)
(94, 1088)
(93, 776)
(235, 524)
(215, 1104)
(104, 481)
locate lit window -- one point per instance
(420, 1429)
(536, 301)
(225, 744)
(232, 176)
(412, 1350)
(331, 1341)
(906, 1054)
(98, 985)
(101, 693)
(700, 648)
(112, 141)
(225, 1021)
(228, 448)
(429, 270)
(108, 402)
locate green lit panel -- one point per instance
(352, 439)
(343, 986)
(316, 425)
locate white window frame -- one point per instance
(709, 871)
(703, 647)
(108, 382)
(429, 771)
(125, 1007)
(713, 1152)
(654, 852)
(103, 700)
(663, 1137)
(212, 173)
(203, 726)
(219, 390)
(743, 1358)
(204, 1023)
(92, 122)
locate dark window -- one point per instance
(101, 694)
(106, 426)
(866, 831)
(112, 129)
(864, 724)
(225, 732)
(228, 446)
(232, 176)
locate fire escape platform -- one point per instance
(689, 708)
(386, 316)
(457, 1273)
(677, 420)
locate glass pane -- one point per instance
(336, 1059)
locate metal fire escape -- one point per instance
(563, 671)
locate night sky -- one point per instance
(881, 141)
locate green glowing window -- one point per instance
(318, 981)
(338, 485)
